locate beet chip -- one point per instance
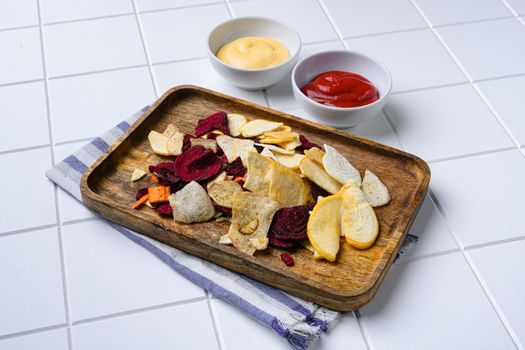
(278, 243)
(166, 172)
(235, 168)
(212, 136)
(141, 193)
(287, 259)
(290, 223)
(305, 144)
(164, 209)
(186, 142)
(216, 121)
(197, 163)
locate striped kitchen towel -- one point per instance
(300, 322)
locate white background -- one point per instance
(70, 69)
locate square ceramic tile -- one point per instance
(496, 265)
(415, 59)
(181, 34)
(21, 57)
(433, 123)
(67, 10)
(93, 45)
(181, 327)
(233, 322)
(26, 126)
(31, 295)
(356, 18)
(517, 5)
(432, 232)
(280, 95)
(376, 129)
(31, 196)
(434, 303)
(506, 97)
(457, 11)
(52, 340)
(482, 196)
(149, 5)
(306, 16)
(69, 207)
(88, 105)
(201, 73)
(482, 52)
(18, 13)
(108, 273)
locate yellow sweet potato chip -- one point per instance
(318, 175)
(287, 187)
(257, 127)
(290, 146)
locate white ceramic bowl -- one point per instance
(309, 67)
(253, 79)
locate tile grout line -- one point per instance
(87, 19)
(183, 7)
(509, 8)
(332, 24)
(214, 322)
(32, 331)
(146, 53)
(55, 190)
(499, 312)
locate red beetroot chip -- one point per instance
(279, 243)
(164, 209)
(141, 193)
(235, 168)
(212, 136)
(305, 144)
(166, 172)
(197, 163)
(186, 143)
(287, 259)
(216, 121)
(290, 223)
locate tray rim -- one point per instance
(385, 262)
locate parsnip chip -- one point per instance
(175, 143)
(338, 167)
(267, 153)
(291, 162)
(219, 177)
(209, 144)
(287, 187)
(222, 192)
(314, 172)
(251, 213)
(137, 175)
(170, 130)
(290, 146)
(257, 127)
(276, 149)
(281, 135)
(284, 128)
(235, 121)
(158, 143)
(315, 154)
(375, 191)
(234, 147)
(259, 172)
(191, 204)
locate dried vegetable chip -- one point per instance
(197, 163)
(235, 122)
(222, 192)
(216, 121)
(289, 224)
(137, 175)
(257, 127)
(318, 175)
(287, 187)
(158, 143)
(259, 172)
(275, 149)
(305, 144)
(291, 162)
(315, 154)
(206, 143)
(338, 167)
(375, 191)
(235, 168)
(191, 204)
(166, 171)
(235, 147)
(287, 259)
(164, 209)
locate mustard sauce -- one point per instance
(253, 53)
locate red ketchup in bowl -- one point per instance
(341, 89)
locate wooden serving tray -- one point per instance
(345, 285)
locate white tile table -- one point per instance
(71, 69)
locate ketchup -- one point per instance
(341, 89)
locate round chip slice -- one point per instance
(235, 121)
(324, 227)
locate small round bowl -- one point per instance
(310, 67)
(253, 79)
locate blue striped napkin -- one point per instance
(300, 322)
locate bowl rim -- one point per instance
(345, 52)
(214, 57)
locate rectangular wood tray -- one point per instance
(345, 285)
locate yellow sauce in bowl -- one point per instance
(253, 53)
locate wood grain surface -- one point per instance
(345, 285)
